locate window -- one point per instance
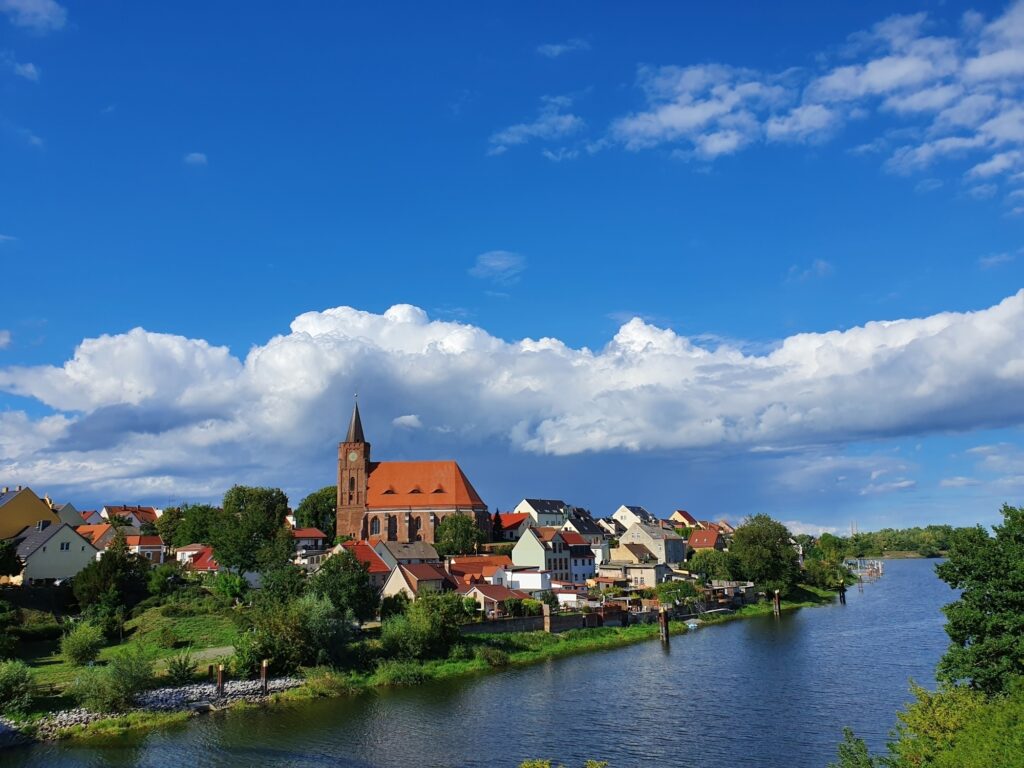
(375, 527)
(65, 546)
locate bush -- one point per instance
(113, 688)
(427, 630)
(306, 631)
(165, 637)
(229, 585)
(460, 652)
(394, 672)
(164, 579)
(494, 657)
(181, 667)
(15, 686)
(395, 605)
(532, 607)
(82, 643)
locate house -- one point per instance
(50, 552)
(99, 535)
(512, 525)
(307, 539)
(611, 527)
(136, 516)
(187, 554)
(543, 549)
(66, 512)
(633, 553)
(473, 569)
(684, 519)
(91, 517)
(365, 554)
(417, 579)
(149, 547)
(633, 515)
(204, 562)
(594, 534)
(395, 553)
(20, 508)
(703, 540)
(726, 528)
(668, 546)
(399, 500)
(491, 598)
(582, 563)
(545, 512)
(635, 574)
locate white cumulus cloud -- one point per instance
(38, 15)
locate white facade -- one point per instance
(633, 515)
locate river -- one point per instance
(771, 693)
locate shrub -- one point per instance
(460, 652)
(165, 637)
(181, 667)
(15, 686)
(113, 688)
(328, 683)
(229, 585)
(532, 607)
(82, 643)
(395, 672)
(307, 631)
(395, 605)
(164, 579)
(494, 657)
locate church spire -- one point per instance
(355, 427)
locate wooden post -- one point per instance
(777, 603)
(663, 624)
(209, 672)
(546, 610)
(220, 679)
(263, 677)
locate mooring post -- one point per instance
(663, 624)
(842, 593)
(546, 610)
(220, 679)
(209, 672)
(263, 677)
(777, 603)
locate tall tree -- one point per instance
(765, 554)
(318, 510)
(118, 578)
(498, 528)
(10, 563)
(458, 535)
(345, 581)
(187, 524)
(987, 623)
(250, 520)
(712, 564)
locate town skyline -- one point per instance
(645, 258)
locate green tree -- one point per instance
(764, 553)
(345, 581)
(853, 753)
(930, 724)
(987, 623)
(428, 628)
(247, 524)
(458, 535)
(318, 510)
(187, 524)
(675, 592)
(10, 563)
(712, 564)
(497, 527)
(118, 579)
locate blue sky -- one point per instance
(731, 177)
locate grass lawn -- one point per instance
(151, 629)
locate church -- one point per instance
(398, 500)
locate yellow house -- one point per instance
(51, 551)
(20, 508)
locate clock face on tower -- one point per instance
(353, 457)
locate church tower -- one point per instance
(353, 473)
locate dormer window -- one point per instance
(416, 489)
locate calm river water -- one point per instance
(759, 692)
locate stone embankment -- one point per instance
(198, 697)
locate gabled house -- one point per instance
(204, 562)
(135, 515)
(491, 598)
(726, 528)
(635, 574)
(187, 554)
(545, 512)
(149, 547)
(684, 519)
(395, 553)
(365, 554)
(633, 515)
(99, 535)
(633, 553)
(611, 527)
(66, 512)
(667, 546)
(50, 552)
(701, 540)
(91, 517)
(417, 579)
(20, 508)
(594, 534)
(582, 563)
(307, 539)
(512, 525)
(474, 569)
(545, 550)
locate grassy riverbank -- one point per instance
(473, 655)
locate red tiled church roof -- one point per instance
(422, 484)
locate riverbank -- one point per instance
(473, 655)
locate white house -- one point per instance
(51, 552)
(135, 515)
(545, 512)
(149, 547)
(632, 515)
(524, 579)
(545, 550)
(593, 533)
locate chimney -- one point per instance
(6, 489)
(19, 487)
